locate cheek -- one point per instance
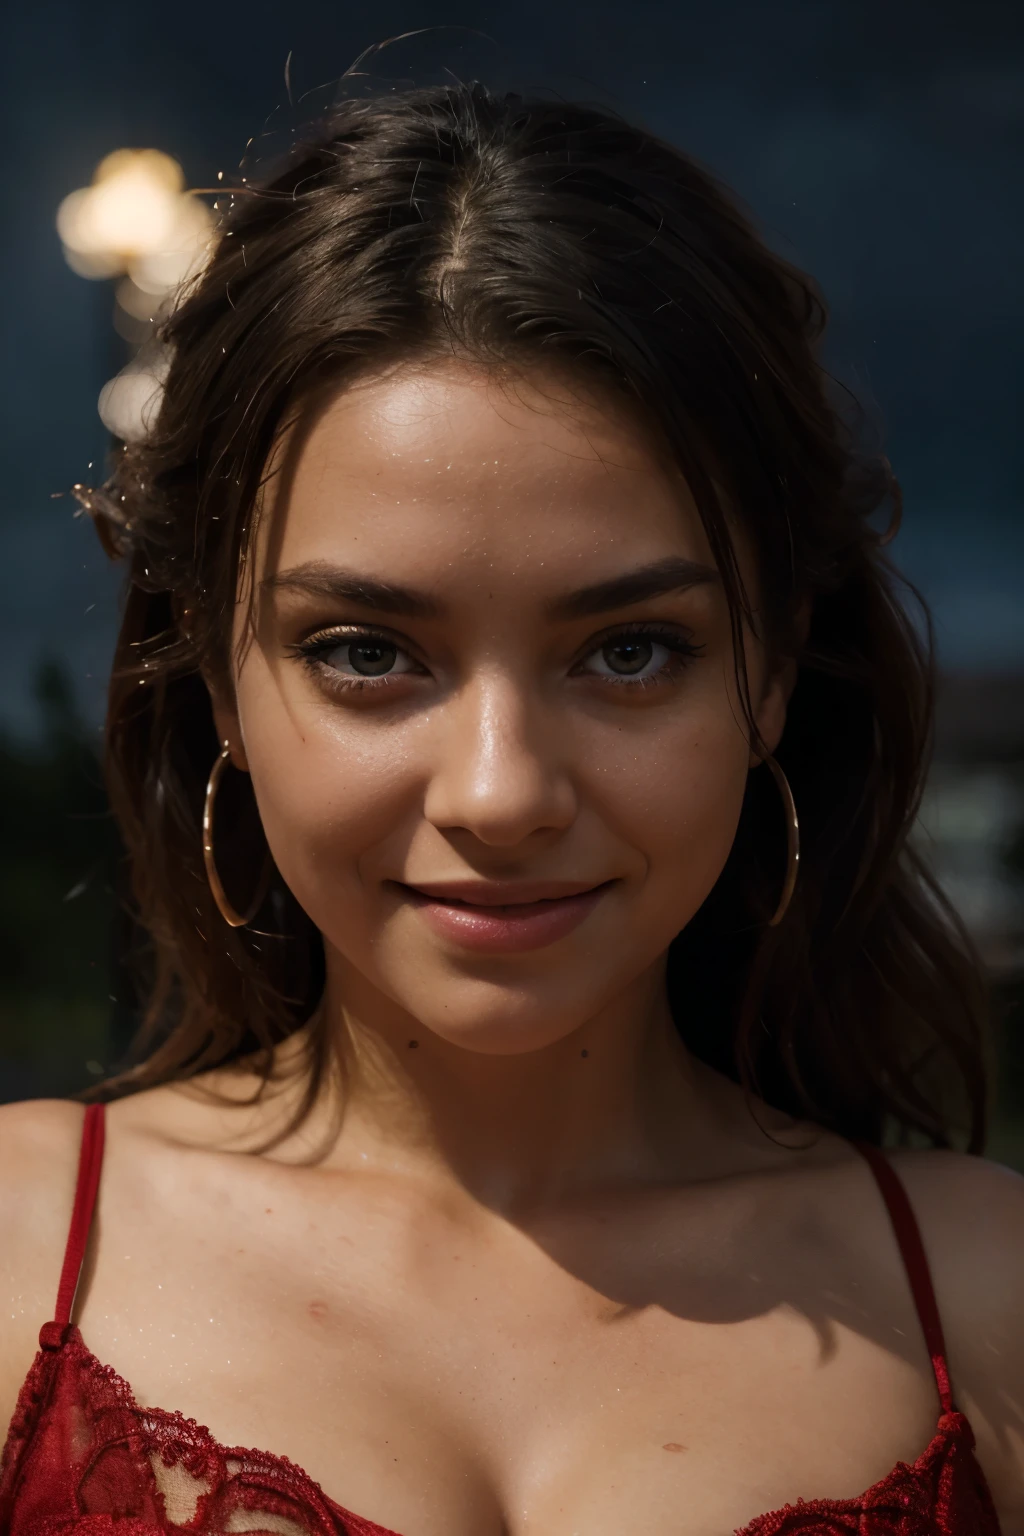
(329, 790)
(675, 796)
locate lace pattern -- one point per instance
(84, 1459)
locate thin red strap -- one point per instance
(90, 1161)
(908, 1236)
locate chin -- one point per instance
(498, 1021)
(501, 1040)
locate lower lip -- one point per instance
(506, 930)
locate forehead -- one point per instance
(447, 466)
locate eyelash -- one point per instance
(682, 651)
(312, 651)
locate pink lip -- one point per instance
(504, 918)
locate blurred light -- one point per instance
(94, 264)
(129, 402)
(137, 218)
(137, 222)
(135, 332)
(182, 254)
(162, 170)
(137, 313)
(135, 301)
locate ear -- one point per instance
(226, 721)
(770, 714)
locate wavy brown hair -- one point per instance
(533, 234)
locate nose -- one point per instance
(500, 773)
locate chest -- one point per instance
(440, 1376)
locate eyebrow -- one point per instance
(672, 574)
(325, 580)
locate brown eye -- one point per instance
(372, 660)
(629, 655)
(640, 656)
(372, 656)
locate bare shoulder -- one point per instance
(39, 1142)
(971, 1214)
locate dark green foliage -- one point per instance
(60, 857)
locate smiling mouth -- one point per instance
(511, 919)
(493, 897)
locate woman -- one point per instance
(536, 973)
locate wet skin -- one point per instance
(508, 723)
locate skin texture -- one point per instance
(501, 758)
(545, 1273)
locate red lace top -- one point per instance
(83, 1458)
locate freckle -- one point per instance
(672, 1446)
(413, 1045)
(584, 1053)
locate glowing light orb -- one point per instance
(136, 217)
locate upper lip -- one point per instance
(501, 893)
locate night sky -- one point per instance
(879, 145)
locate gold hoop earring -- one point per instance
(792, 842)
(231, 917)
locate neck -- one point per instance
(617, 1101)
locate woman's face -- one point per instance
(489, 708)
